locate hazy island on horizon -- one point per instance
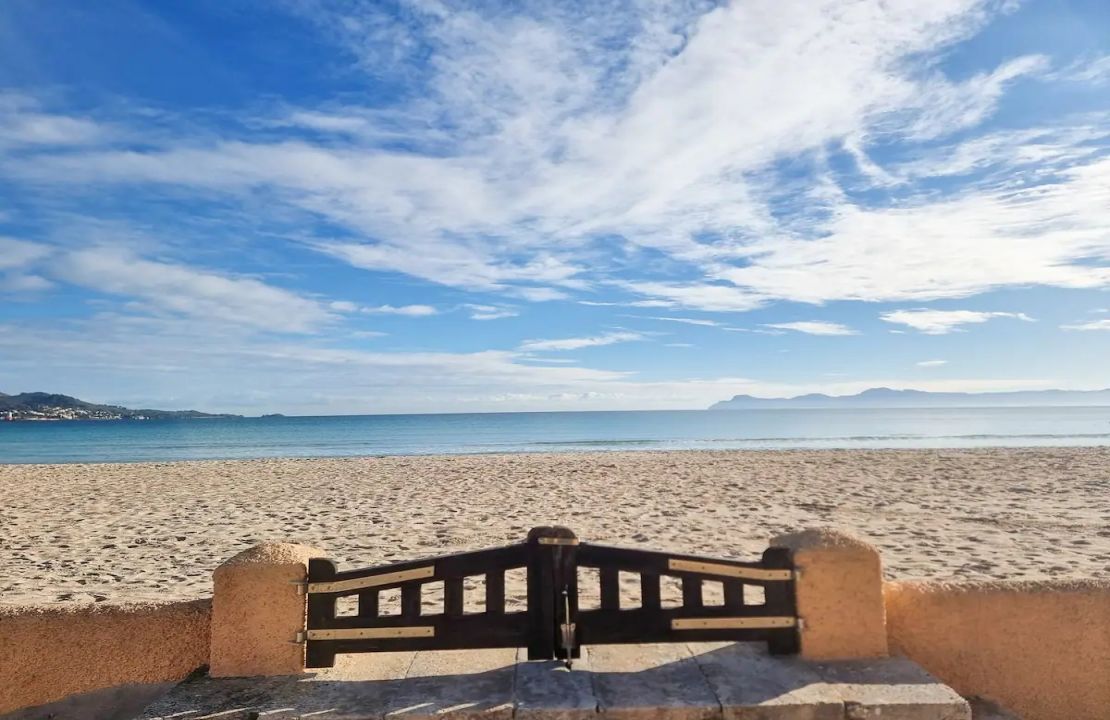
(32, 406)
(890, 398)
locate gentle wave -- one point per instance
(595, 442)
(366, 436)
(822, 438)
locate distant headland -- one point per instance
(889, 398)
(52, 406)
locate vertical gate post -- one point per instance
(258, 608)
(552, 570)
(839, 589)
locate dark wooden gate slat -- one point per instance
(453, 597)
(495, 592)
(552, 557)
(410, 601)
(610, 589)
(320, 611)
(779, 599)
(691, 592)
(734, 593)
(650, 596)
(368, 604)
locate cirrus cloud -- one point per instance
(811, 327)
(1090, 325)
(577, 343)
(942, 322)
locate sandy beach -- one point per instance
(108, 532)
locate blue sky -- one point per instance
(344, 207)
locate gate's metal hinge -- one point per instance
(797, 573)
(801, 623)
(302, 586)
(299, 638)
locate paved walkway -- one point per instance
(698, 681)
(630, 682)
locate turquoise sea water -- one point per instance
(127, 441)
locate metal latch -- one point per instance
(567, 630)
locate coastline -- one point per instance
(164, 440)
(156, 530)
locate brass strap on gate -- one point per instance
(733, 623)
(732, 571)
(385, 633)
(392, 578)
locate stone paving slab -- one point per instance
(892, 689)
(547, 690)
(454, 685)
(649, 682)
(629, 682)
(750, 685)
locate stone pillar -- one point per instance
(257, 610)
(840, 595)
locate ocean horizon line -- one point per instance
(76, 441)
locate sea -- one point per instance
(77, 441)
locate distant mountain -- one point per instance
(888, 398)
(52, 406)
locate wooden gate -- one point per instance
(551, 625)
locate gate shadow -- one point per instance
(501, 688)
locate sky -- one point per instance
(317, 207)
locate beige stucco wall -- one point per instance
(840, 594)
(257, 609)
(1041, 649)
(50, 651)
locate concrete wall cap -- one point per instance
(273, 553)
(820, 538)
(135, 609)
(1024, 587)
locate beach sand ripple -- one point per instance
(79, 533)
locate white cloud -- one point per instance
(1010, 149)
(700, 296)
(814, 328)
(540, 145)
(942, 322)
(555, 149)
(932, 363)
(16, 254)
(407, 310)
(984, 239)
(581, 342)
(23, 283)
(187, 291)
(24, 123)
(174, 363)
(456, 265)
(943, 106)
(490, 312)
(683, 320)
(1091, 325)
(536, 294)
(635, 303)
(1095, 71)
